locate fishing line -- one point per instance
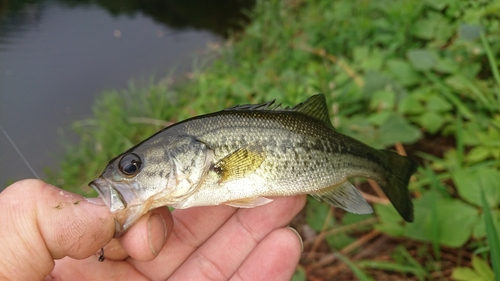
(18, 152)
(101, 254)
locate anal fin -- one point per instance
(344, 196)
(249, 202)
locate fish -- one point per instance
(245, 154)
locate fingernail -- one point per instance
(298, 235)
(157, 233)
(95, 201)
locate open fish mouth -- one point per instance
(121, 200)
(111, 196)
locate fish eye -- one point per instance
(130, 164)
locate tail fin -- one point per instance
(400, 169)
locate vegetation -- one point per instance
(420, 77)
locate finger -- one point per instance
(113, 251)
(145, 239)
(148, 234)
(91, 269)
(274, 258)
(221, 256)
(41, 223)
(192, 227)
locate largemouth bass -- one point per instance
(242, 155)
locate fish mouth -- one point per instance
(111, 196)
(115, 197)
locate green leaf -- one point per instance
(411, 105)
(492, 236)
(491, 138)
(390, 220)
(468, 32)
(375, 81)
(451, 214)
(379, 118)
(478, 154)
(424, 29)
(361, 53)
(472, 129)
(438, 4)
(446, 65)
(403, 72)
(339, 241)
(422, 59)
(465, 274)
(436, 220)
(444, 32)
(368, 59)
(470, 182)
(471, 71)
(456, 82)
(483, 268)
(358, 127)
(317, 214)
(480, 228)
(450, 95)
(300, 274)
(425, 225)
(397, 129)
(431, 121)
(382, 100)
(374, 61)
(436, 103)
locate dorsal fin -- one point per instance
(316, 108)
(260, 106)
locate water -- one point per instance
(57, 56)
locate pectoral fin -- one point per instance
(240, 163)
(344, 196)
(249, 202)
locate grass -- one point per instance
(420, 77)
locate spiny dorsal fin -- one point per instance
(260, 106)
(344, 196)
(316, 108)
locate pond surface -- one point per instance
(57, 56)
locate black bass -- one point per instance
(242, 155)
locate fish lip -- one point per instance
(116, 203)
(110, 195)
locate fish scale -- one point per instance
(243, 155)
(314, 161)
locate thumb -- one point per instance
(40, 223)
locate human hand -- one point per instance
(53, 234)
